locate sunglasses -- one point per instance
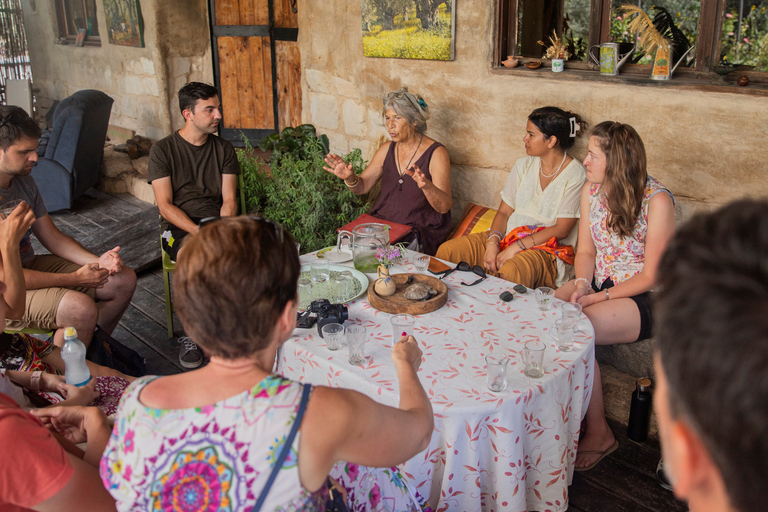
(463, 266)
(276, 228)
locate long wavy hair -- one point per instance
(625, 174)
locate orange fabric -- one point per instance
(564, 252)
(35, 467)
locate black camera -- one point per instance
(328, 313)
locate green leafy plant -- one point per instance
(294, 189)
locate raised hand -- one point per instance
(335, 164)
(111, 261)
(418, 176)
(15, 225)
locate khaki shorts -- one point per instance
(43, 304)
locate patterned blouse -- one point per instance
(616, 257)
(212, 458)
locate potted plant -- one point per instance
(557, 51)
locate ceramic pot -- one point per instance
(384, 286)
(558, 65)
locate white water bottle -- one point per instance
(73, 353)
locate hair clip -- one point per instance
(574, 126)
(423, 103)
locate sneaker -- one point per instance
(661, 476)
(190, 355)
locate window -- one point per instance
(77, 16)
(721, 36)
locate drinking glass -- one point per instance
(496, 378)
(7, 208)
(305, 293)
(421, 264)
(356, 335)
(533, 356)
(544, 297)
(571, 312)
(340, 287)
(321, 273)
(402, 324)
(332, 334)
(563, 334)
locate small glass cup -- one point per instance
(7, 208)
(571, 312)
(421, 263)
(356, 336)
(533, 356)
(496, 378)
(544, 297)
(340, 288)
(563, 334)
(332, 334)
(402, 325)
(305, 293)
(321, 273)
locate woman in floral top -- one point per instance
(208, 439)
(625, 226)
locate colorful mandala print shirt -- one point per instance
(619, 258)
(212, 458)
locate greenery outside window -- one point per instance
(725, 36)
(72, 16)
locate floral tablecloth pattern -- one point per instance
(512, 450)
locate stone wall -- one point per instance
(142, 81)
(708, 148)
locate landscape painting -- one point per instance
(124, 22)
(409, 29)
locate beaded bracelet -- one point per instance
(586, 281)
(498, 233)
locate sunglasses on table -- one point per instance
(277, 228)
(463, 266)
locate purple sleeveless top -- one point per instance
(406, 203)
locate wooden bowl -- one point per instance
(510, 63)
(534, 64)
(397, 303)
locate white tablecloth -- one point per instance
(512, 450)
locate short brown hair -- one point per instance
(232, 281)
(16, 124)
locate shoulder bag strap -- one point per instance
(286, 447)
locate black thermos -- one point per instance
(640, 411)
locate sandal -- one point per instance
(603, 454)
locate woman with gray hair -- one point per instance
(415, 173)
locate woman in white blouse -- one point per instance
(532, 236)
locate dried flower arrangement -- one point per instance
(649, 38)
(557, 49)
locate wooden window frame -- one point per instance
(62, 22)
(700, 76)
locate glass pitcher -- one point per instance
(364, 240)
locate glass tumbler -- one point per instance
(544, 298)
(496, 366)
(305, 293)
(356, 335)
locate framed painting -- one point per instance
(125, 25)
(409, 29)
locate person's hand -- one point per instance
(67, 421)
(52, 383)
(418, 176)
(91, 275)
(83, 395)
(581, 291)
(111, 261)
(407, 351)
(506, 255)
(15, 225)
(336, 165)
(590, 298)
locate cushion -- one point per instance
(476, 219)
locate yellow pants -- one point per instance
(531, 268)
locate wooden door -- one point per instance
(256, 66)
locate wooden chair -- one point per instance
(169, 265)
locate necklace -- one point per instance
(565, 155)
(400, 171)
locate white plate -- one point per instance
(334, 256)
(359, 277)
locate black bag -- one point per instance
(107, 351)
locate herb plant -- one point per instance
(294, 189)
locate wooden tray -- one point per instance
(397, 303)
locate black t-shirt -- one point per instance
(195, 172)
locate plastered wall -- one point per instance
(142, 81)
(708, 148)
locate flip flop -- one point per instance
(603, 455)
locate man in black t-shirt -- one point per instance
(193, 173)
